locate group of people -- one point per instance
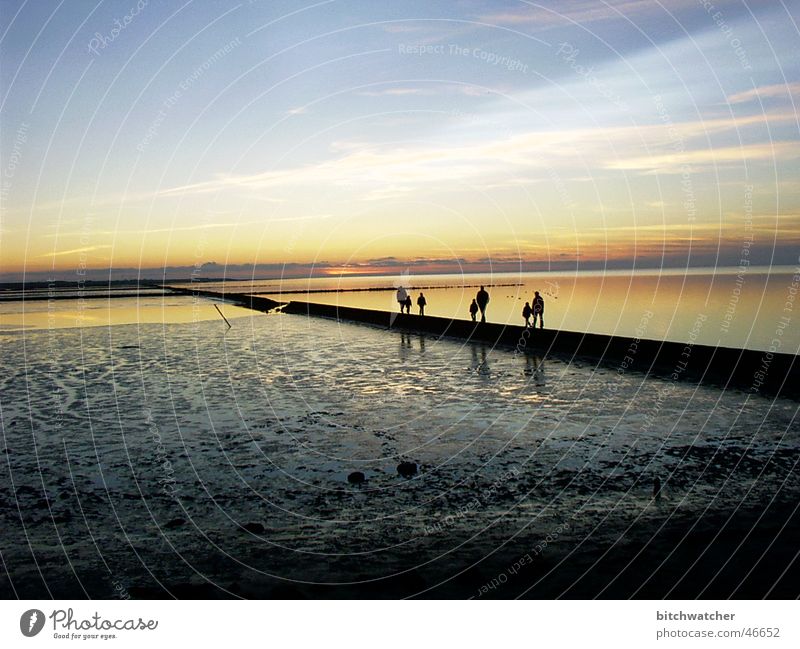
(536, 311)
(479, 304)
(404, 300)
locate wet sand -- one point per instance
(194, 461)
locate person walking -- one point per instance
(401, 298)
(421, 302)
(482, 298)
(526, 313)
(473, 309)
(408, 304)
(538, 309)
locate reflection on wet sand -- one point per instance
(480, 360)
(534, 367)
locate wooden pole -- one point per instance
(223, 317)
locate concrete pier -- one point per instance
(240, 299)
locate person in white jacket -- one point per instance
(401, 298)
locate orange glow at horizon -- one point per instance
(595, 245)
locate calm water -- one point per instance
(739, 310)
(179, 453)
(58, 314)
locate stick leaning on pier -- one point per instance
(223, 317)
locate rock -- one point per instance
(175, 522)
(407, 469)
(254, 528)
(356, 477)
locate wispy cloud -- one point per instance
(372, 169)
(187, 228)
(581, 11)
(783, 90)
(675, 162)
(75, 251)
(123, 232)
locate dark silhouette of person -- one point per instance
(480, 365)
(421, 302)
(473, 309)
(526, 313)
(408, 305)
(538, 309)
(538, 373)
(482, 298)
(401, 297)
(534, 368)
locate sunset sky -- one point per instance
(363, 136)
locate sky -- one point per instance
(258, 139)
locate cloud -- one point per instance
(787, 90)
(187, 228)
(583, 12)
(184, 228)
(392, 262)
(377, 171)
(75, 251)
(787, 224)
(676, 162)
(88, 204)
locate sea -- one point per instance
(740, 307)
(150, 450)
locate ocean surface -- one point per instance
(155, 457)
(741, 308)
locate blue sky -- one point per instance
(345, 132)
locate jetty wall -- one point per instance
(240, 299)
